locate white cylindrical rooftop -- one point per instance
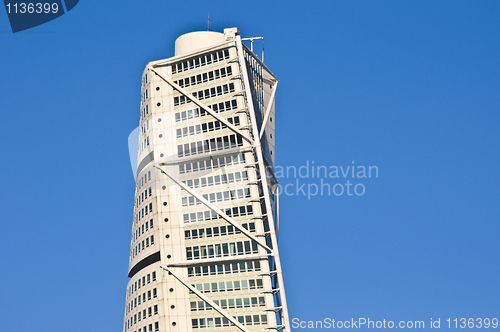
(190, 42)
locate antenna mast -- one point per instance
(209, 23)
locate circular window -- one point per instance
(159, 120)
(160, 136)
(171, 289)
(174, 323)
(169, 256)
(157, 88)
(158, 104)
(161, 155)
(172, 306)
(271, 119)
(167, 236)
(164, 203)
(166, 219)
(164, 187)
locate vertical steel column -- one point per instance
(257, 146)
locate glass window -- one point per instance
(254, 247)
(254, 302)
(259, 283)
(262, 302)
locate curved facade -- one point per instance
(203, 253)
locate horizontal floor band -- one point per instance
(153, 258)
(146, 160)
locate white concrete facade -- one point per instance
(204, 253)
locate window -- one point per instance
(252, 284)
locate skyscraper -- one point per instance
(204, 254)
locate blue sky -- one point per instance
(411, 87)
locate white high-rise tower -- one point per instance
(204, 254)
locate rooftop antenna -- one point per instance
(262, 50)
(209, 23)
